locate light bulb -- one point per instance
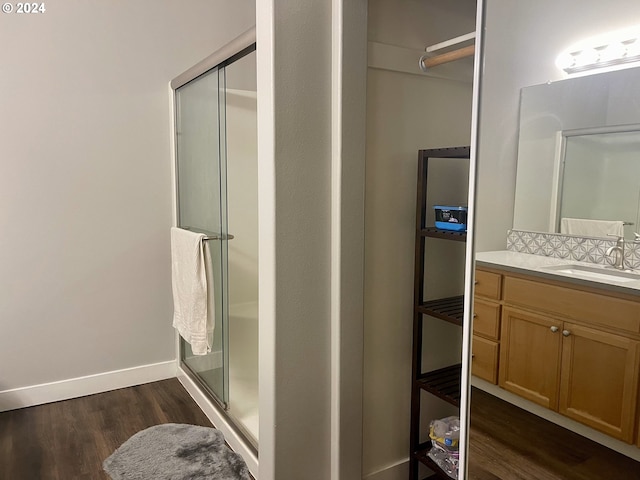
(633, 48)
(588, 56)
(565, 60)
(614, 51)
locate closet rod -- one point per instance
(450, 42)
(429, 62)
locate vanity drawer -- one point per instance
(484, 359)
(568, 302)
(488, 284)
(486, 318)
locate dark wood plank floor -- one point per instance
(69, 440)
(508, 443)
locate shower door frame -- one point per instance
(216, 410)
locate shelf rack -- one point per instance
(444, 383)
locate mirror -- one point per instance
(522, 182)
(598, 179)
(577, 152)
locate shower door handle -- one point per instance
(219, 237)
(210, 235)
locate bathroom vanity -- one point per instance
(562, 334)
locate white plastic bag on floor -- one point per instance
(445, 437)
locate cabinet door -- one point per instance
(486, 318)
(488, 284)
(599, 380)
(484, 359)
(530, 356)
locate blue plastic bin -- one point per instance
(450, 217)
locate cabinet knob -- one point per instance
(475, 315)
(475, 282)
(554, 329)
(566, 333)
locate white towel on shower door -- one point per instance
(191, 316)
(591, 228)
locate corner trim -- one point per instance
(81, 386)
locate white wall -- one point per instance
(311, 105)
(242, 195)
(85, 180)
(522, 41)
(405, 113)
(348, 122)
(294, 194)
(601, 181)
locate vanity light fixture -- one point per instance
(604, 51)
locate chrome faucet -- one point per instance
(619, 251)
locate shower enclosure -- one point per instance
(216, 194)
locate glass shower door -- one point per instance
(201, 204)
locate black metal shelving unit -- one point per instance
(444, 383)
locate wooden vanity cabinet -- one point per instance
(488, 284)
(571, 349)
(530, 356)
(599, 380)
(484, 360)
(486, 325)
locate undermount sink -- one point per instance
(595, 273)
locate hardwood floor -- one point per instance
(69, 440)
(508, 443)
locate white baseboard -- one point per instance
(82, 386)
(396, 471)
(220, 421)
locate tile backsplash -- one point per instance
(570, 247)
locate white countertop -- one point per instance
(536, 265)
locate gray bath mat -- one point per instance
(176, 452)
